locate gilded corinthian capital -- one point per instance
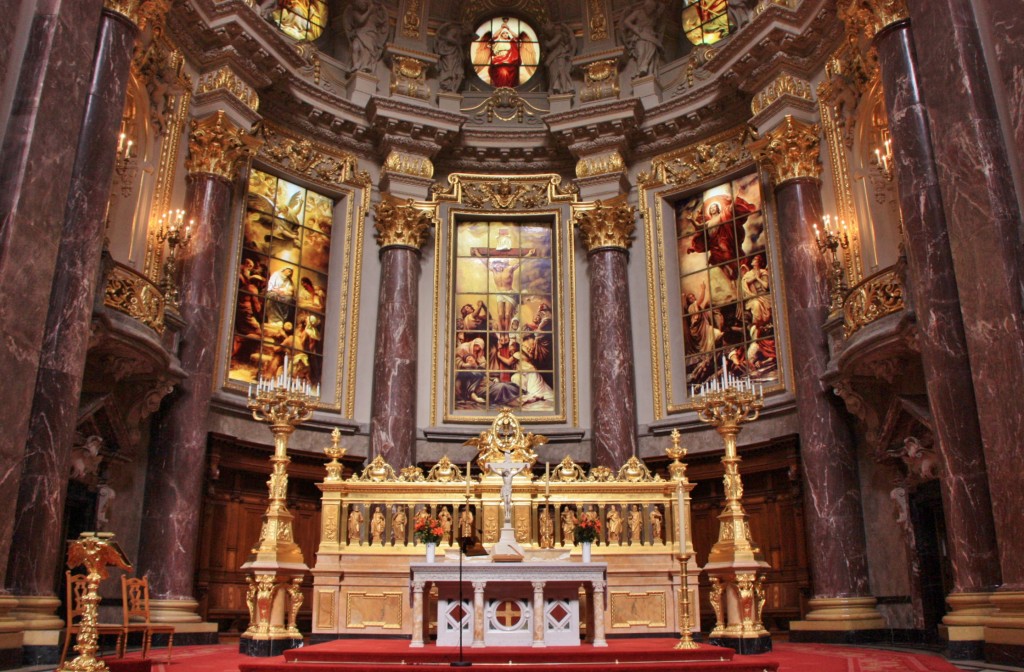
(217, 146)
(604, 226)
(789, 151)
(872, 16)
(403, 223)
(126, 8)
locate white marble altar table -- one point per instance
(591, 575)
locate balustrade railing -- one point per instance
(129, 292)
(873, 298)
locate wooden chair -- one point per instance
(135, 595)
(76, 587)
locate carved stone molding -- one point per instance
(227, 80)
(790, 151)
(606, 226)
(403, 223)
(785, 85)
(217, 146)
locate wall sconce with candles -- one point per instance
(883, 159)
(124, 164)
(831, 240)
(176, 233)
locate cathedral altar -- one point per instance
(513, 604)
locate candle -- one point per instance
(681, 513)
(547, 479)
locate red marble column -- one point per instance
(402, 230)
(177, 461)
(40, 509)
(835, 523)
(984, 220)
(49, 89)
(606, 233)
(943, 345)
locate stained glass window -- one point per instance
(505, 52)
(504, 319)
(725, 279)
(282, 281)
(302, 19)
(705, 21)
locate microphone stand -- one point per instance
(463, 543)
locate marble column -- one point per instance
(606, 232)
(841, 609)
(598, 607)
(402, 230)
(940, 329)
(417, 615)
(40, 510)
(170, 519)
(48, 89)
(478, 613)
(538, 614)
(984, 221)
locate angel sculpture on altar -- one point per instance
(499, 54)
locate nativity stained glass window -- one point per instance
(282, 281)
(301, 19)
(725, 277)
(705, 21)
(504, 320)
(505, 52)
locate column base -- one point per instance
(41, 628)
(964, 626)
(1004, 629)
(744, 646)
(267, 648)
(11, 634)
(839, 620)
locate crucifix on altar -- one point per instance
(507, 549)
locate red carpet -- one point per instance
(365, 655)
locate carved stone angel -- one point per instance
(641, 31)
(366, 24)
(560, 47)
(450, 46)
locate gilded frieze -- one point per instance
(789, 151)
(408, 164)
(522, 192)
(310, 160)
(701, 162)
(226, 79)
(785, 84)
(605, 164)
(217, 146)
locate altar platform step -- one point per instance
(359, 655)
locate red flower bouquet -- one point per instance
(428, 530)
(587, 530)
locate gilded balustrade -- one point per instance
(873, 298)
(128, 291)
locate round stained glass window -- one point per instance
(302, 19)
(705, 21)
(505, 52)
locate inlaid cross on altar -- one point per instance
(509, 613)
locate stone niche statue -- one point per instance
(641, 33)
(560, 47)
(450, 46)
(366, 24)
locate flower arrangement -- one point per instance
(587, 530)
(428, 530)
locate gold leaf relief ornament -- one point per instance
(568, 471)
(635, 471)
(334, 451)
(403, 224)
(871, 16)
(506, 436)
(790, 151)
(445, 471)
(377, 471)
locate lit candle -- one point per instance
(681, 509)
(250, 391)
(547, 479)
(120, 143)
(317, 390)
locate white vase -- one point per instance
(431, 550)
(586, 551)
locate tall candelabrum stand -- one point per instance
(274, 594)
(735, 565)
(97, 551)
(688, 620)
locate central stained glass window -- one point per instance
(505, 52)
(504, 319)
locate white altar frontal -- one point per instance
(509, 604)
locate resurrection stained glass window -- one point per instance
(504, 319)
(505, 52)
(302, 19)
(725, 281)
(282, 281)
(705, 21)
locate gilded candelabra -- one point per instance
(735, 564)
(685, 627)
(176, 233)
(97, 551)
(883, 159)
(124, 163)
(831, 240)
(276, 560)
(677, 472)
